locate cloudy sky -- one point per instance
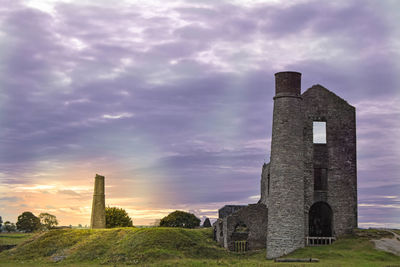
(172, 100)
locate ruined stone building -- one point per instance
(309, 187)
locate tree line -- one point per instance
(28, 222)
(115, 217)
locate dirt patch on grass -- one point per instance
(391, 245)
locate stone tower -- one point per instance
(286, 191)
(98, 219)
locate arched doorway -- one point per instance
(320, 220)
(241, 232)
(240, 236)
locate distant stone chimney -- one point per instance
(98, 219)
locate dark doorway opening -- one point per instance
(320, 220)
(241, 232)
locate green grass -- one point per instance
(115, 246)
(355, 250)
(13, 238)
(175, 247)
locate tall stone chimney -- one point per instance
(285, 231)
(98, 219)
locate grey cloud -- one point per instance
(353, 21)
(380, 203)
(392, 189)
(379, 215)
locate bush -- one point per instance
(117, 217)
(180, 219)
(47, 220)
(27, 222)
(9, 227)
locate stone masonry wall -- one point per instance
(319, 104)
(218, 231)
(254, 216)
(228, 210)
(264, 184)
(286, 198)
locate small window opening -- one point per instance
(268, 183)
(319, 132)
(320, 179)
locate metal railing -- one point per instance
(240, 246)
(319, 240)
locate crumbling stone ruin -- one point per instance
(309, 187)
(98, 218)
(247, 223)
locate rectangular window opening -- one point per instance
(320, 179)
(319, 132)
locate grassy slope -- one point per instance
(175, 246)
(120, 245)
(356, 250)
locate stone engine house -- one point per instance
(309, 187)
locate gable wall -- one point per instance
(338, 156)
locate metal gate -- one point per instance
(319, 241)
(240, 246)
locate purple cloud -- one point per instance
(180, 95)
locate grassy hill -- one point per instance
(175, 246)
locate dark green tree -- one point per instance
(207, 223)
(1, 221)
(180, 219)
(27, 222)
(117, 217)
(9, 227)
(48, 220)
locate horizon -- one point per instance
(172, 102)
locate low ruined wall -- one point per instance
(255, 217)
(228, 210)
(218, 232)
